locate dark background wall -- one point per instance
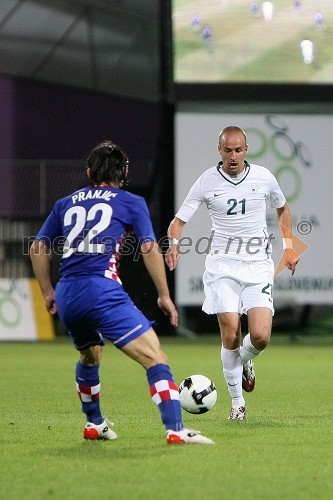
(40, 120)
(45, 122)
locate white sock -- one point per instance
(247, 351)
(232, 371)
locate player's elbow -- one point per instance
(176, 224)
(149, 247)
(284, 209)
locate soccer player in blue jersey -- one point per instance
(89, 297)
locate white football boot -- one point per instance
(187, 436)
(237, 413)
(101, 431)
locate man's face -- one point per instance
(233, 149)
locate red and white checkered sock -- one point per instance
(88, 389)
(164, 393)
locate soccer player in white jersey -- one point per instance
(239, 270)
(268, 9)
(307, 51)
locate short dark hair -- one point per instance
(108, 163)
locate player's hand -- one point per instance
(291, 259)
(172, 257)
(50, 303)
(168, 308)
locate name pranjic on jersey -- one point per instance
(93, 194)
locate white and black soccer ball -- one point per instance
(197, 394)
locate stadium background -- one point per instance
(74, 74)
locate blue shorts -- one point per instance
(96, 308)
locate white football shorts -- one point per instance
(232, 285)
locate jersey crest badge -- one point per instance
(255, 188)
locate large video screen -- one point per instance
(240, 41)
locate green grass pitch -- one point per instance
(282, 451)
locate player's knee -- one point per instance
(230, 339)
(262, 344)
(91, 356)
(260, 340)
(88, 360)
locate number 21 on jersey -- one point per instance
(236, 206)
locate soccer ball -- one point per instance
(197, 394)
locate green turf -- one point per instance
(287, 61)
(283, 450)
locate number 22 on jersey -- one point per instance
(77, 217)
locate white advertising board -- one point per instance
(23, 316)
(296, 148)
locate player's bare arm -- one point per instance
(41, 266)
(285, 222)
(174, 233)
(154, 263)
